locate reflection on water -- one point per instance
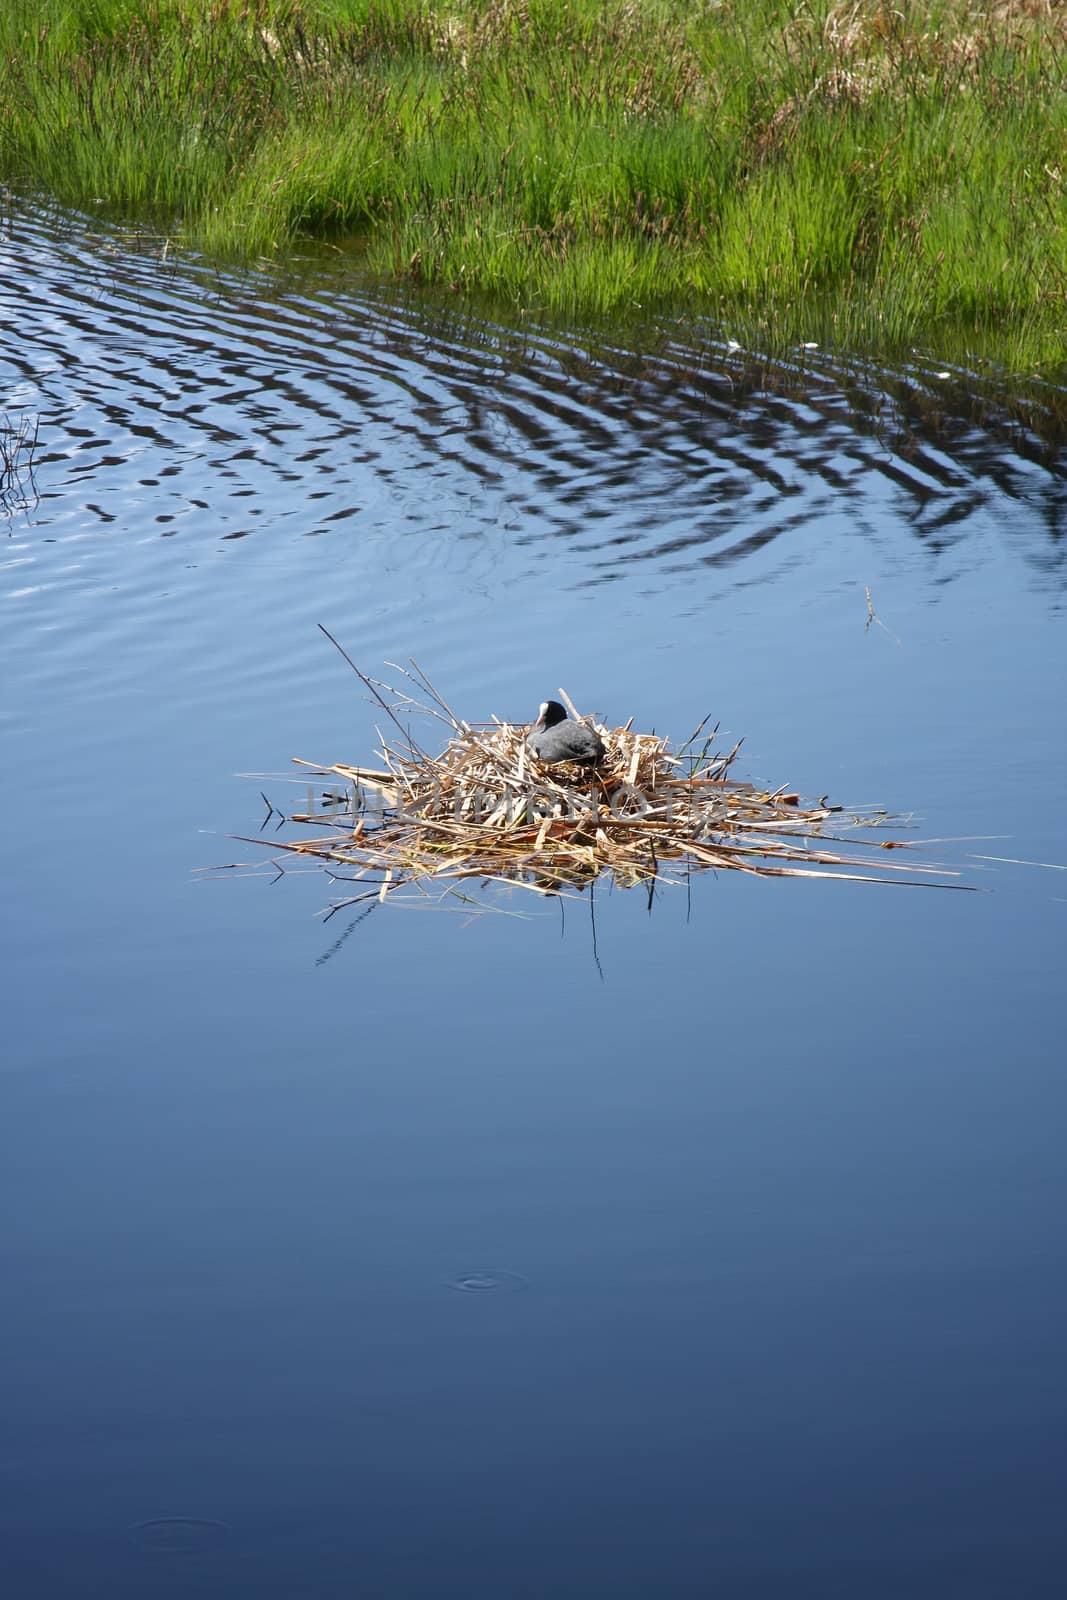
(778, 1170)
(169, 389)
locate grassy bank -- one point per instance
(869, 175)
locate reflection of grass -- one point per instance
(860, 173)
(18, 442)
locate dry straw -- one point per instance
(483, 810)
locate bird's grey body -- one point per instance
(553, 738)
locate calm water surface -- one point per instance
(412, 1258)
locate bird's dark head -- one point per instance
(550, 713)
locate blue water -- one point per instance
(436, 1256)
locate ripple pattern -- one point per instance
(178, 403)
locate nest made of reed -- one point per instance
(483, 808)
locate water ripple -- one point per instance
(178, 402)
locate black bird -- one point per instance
(553, 738)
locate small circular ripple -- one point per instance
(179, 1535)
(486, 1282)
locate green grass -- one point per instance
(873, 176)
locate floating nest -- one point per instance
(483, 810)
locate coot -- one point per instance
(553, 738)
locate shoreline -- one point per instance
(849, 177)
